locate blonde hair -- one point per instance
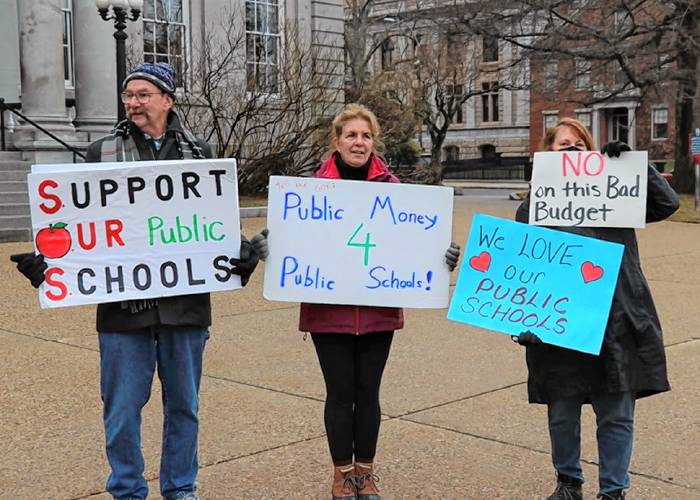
(578, 127)
(354, 111)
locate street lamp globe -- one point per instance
(102, 4)
(136, 4)
(120, 4)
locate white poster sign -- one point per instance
(120, 231)
(587, 188)
(354, 242)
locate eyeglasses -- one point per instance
(141, 97)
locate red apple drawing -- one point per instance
(53, 241)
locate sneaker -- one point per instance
(568, 488)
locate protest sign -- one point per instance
(119, 231)
(587, 188)
(515, 277)
(353, 242)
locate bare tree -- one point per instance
(271, 117)
(631, 47)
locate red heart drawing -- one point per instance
(482, 262)
(591, 272)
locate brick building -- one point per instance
(596, 92)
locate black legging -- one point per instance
(352, 367)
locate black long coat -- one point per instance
(180, 310)
(632, 357)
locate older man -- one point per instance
(138, 336)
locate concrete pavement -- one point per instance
(457, 424)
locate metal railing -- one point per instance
(4, 107)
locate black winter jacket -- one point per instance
(632, 357)
(182, 310)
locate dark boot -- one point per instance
(344, 483)
(568, 488)
(366, 481)
(613, 495)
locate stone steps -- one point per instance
(15, 222)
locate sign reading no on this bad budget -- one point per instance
(355, 242)
(120, 231)
(587, 188)
(516, 277)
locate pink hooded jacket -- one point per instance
(358, 320)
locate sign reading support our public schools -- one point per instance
(135, 230)
(354, 242)
(587, 188)
(516, 277)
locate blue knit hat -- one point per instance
(162, 75)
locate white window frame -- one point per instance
(654, 110)
(583, 74)
(68, 47)
(281, 44)
(589, 113)
(181, 71)
(545, 116)
(550, 79)
(491, 96)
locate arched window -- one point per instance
(488, 151)
(451, 153)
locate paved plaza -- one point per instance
(457, 424)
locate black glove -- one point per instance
(259, 242)
(246, 263)
(527, 338)
(32, 266)
(452, 256)
(614, 149)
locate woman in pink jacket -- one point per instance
(353, 342)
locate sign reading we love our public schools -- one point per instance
(119, 231)
(587, 188)
(355, 242)
(516, 277)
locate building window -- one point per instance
(489, 102)
(164, 32)
(456, 92)
(68, 66)
(489, 49)
(551, 76)
(488, 151)
(620, 76)
(550, 119)
(659, 127)
(583, 74)
(623, 22)
(387, 54)
(585, 118)
(451, 153)
(263, 45)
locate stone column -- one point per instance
(43, 83)
(632, 121)
(41, 60)
(95, 71)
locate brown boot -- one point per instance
(366, 482)
(344, 483)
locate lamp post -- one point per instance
(120, 16)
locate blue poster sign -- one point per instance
(516, 277)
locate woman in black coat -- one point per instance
(632, 362)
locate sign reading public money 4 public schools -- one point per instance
(516, 277)
(352, 242)
(587, 188)
(119, 231)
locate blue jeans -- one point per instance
(127, 363)
(615, 422)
